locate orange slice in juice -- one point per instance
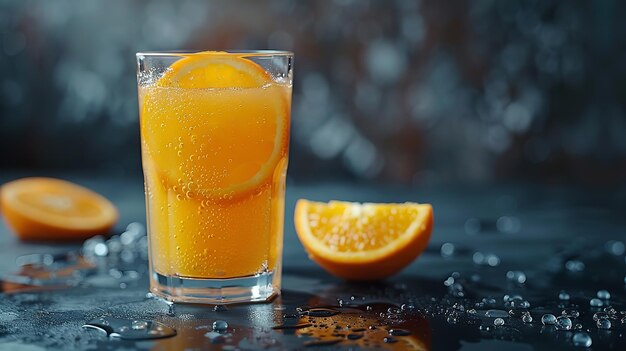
(363, 241)
(54, 209)
(214, 70)
(215, 125)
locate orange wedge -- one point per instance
(202, 121)
(363, 241)
(54, 209)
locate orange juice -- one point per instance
(215, 135)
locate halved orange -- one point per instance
(54, 209)
(363, 241)
(215, 125)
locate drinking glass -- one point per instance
(214, 143)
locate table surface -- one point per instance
(536, 229)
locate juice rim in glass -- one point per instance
(215, 137)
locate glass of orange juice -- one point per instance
(214, 143)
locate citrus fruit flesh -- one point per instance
(214, 142)
(55, 210)
(363, 241)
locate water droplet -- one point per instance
(220, 308)
(596, 303)
(564, 296)
(517, 312)
(406, 307)
(471, 311)
(489, 301)
(603, 294)
(369, 308)
(139, 325)
(517, 304)
(393, 310)
(131, 330)
(527, 318)
(479, 258)
(447, 250)
(399, 332)
(101, 249)
(508, 225)
(452, 319)
(582, 340)
(517, 277)
(389, 340)
(514, 297)
(610, 311)
(485, 328)
(498, 322)
(603, 323)
(600, 315)
(459, 307)
(354, 336)
(563, 323)
(578, 326)
(497, 314)
(624, 320)
(575, 266)
(548, 319)
(615, 247)
(220, 326)
(321, 312)
(492, 260)
(570, 312)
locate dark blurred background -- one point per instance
(397, 91)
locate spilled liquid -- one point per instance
(360, 325)
(131, 329)
(497, 314)
(295, 326)
(328, 342)
(399, 332)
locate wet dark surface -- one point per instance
(501, 242)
